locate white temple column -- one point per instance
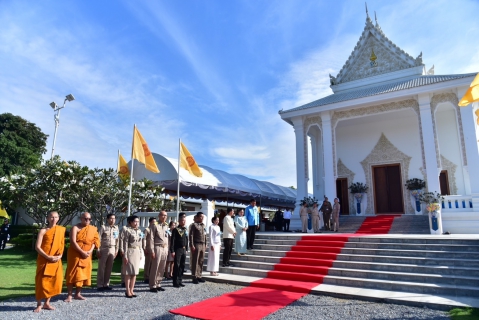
(301, 156)
(329, 179)
(472, 152)
(208, 211)
(432, 173)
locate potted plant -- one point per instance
(433, 206)
(415, 187)
(358, 189)
(309, 201)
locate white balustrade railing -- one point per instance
(456, 203)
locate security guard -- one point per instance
(109, 238)
(4, 233)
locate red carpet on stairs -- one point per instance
(298, 272)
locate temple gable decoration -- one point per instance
(374, 54)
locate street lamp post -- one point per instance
(56, 117)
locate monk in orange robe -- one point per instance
(83, 240)
(49, 276)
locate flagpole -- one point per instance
(118, 162)
(131, 170)
(178, 186)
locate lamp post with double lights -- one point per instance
(56, 117)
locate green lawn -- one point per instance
(464, 314)
(18, 267)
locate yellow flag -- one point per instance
(3, 212)
(188, 162)
(122, 166)
(472, 94)
(142, 153)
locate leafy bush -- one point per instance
(24, 240)
(415, 184)
(358, 187)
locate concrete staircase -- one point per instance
(438, 271)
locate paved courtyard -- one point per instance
(113, 304)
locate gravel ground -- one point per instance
(149, 305)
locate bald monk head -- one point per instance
(85, 219)
(52, 218)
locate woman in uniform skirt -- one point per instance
(215, 247)
(170, 261)
(132, 247)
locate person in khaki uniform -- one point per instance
(132, 241)
(109, 235)
(315, 218)
(146, 244)
(303, 214)
(158, 246)
(120, 245)
(197, 240)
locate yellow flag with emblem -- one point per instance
(472, 94)
(122, 166)
(142, 153)
(188, 162)
(3, 212)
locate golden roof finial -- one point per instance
(373, 56)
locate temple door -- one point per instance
(342, 193)
(388, 196)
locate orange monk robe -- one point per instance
(49, 277)
(78, 269)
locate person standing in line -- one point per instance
(197, 241)
(178, 248)
(4, 233)
(107, 252)
(83, 240)
(315, 218)
(287, 219)
(170, 261)
(252, 215)
(303, 214)
(120, 245)
(278, 220)
(241, 227)
(159, 252)
(229, 233)
(336, 208)
(49, 275)
(146, 245)
(327, 209)
(132, 247)
(213, 265)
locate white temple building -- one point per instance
(387, 121)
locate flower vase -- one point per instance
(435, 218)
(416, 195)
(310, 224)
(359, 198)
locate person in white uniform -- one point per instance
(215, 247)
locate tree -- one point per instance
(54, 185)
(22, 144)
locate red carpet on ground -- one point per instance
(298, 272)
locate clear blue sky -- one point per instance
(213, 73)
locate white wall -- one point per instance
(356, 138)
(449, 142)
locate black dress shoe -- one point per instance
(160, 289)
(201, 280)
(107, 288)
(128, 296)
(225, 265)
(134, 295)
(153, 290)
(195, 281)
(181, 284)
(231, 265)
(176, 285)
(100, 289)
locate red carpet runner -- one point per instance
(297, 273)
